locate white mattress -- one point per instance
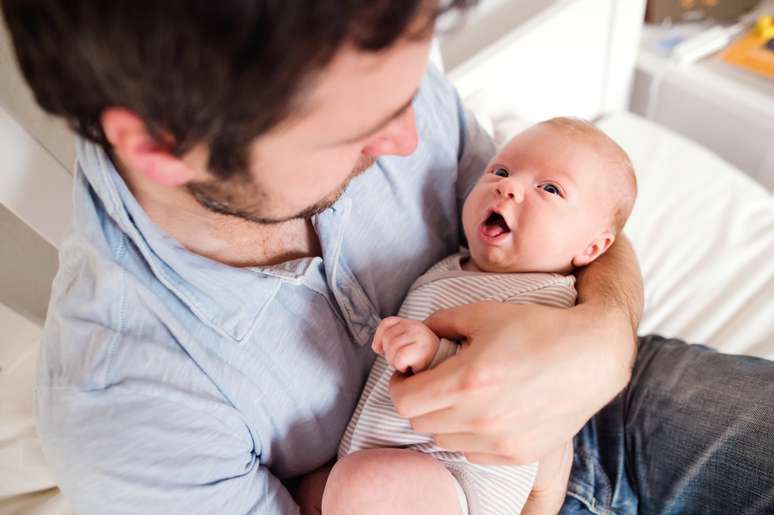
(704, 234)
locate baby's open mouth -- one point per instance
(495, 225)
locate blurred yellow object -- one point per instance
(764, 27)
(751, 52)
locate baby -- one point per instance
(552, 200)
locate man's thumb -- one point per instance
(458, 323)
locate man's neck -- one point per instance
(240, 243)
(227, 239)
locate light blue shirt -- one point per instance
(170, 383)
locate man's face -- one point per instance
(357, 109)
(540, 202)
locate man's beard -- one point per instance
(237, 196)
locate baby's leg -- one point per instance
(390, 482)
(550, 488)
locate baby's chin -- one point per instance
(497, 263)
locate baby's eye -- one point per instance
(552, 189)
(501, 172)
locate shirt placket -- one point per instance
(357, 310)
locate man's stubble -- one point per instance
(237, 196)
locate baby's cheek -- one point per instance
(468, 222)
(551, 246)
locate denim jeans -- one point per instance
(692, 433)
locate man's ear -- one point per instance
(138, 151)
(593, 250)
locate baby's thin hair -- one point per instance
(627, 181)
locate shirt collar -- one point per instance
(227, 299)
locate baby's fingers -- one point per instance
(378, 343)
(393, 345)
(411, 358)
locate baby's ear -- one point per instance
(593, 250)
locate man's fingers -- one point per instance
(473, 412)
(428, 391)
(446, 323)
(461, 322)
(509, 450)
(466, 442)
(445, 420)
(488, 459)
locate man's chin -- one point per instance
(363, 164)
(208, 195)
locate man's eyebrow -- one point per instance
(384, 122)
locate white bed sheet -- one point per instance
(704, 234)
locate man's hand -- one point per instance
(530, 376)
(528, 380)
(407, 345)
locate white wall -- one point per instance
(560, 58)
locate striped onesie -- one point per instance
(483, 490)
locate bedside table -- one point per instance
(728, 110)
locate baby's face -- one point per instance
(540, 206)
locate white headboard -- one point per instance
(567, 57)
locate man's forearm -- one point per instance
(610, 291)
(614, 282)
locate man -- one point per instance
(263, 182)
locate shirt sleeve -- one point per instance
(118, 450)
(473, 144)
(476, 150)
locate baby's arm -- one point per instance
(407, 345)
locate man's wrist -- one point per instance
(612, 285)
(611, 342)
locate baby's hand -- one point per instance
(407, 345)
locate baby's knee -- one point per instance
(347, 484)
(385, 481)
(366, 480)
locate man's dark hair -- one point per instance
(215, 71)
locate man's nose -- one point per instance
(399, 137)
(510, 188)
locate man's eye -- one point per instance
(552, 189)
(501, 172)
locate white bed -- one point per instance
(703, 231)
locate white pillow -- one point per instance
(704, 234)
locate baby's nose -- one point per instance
(510, 189)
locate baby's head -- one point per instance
(554, 198)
